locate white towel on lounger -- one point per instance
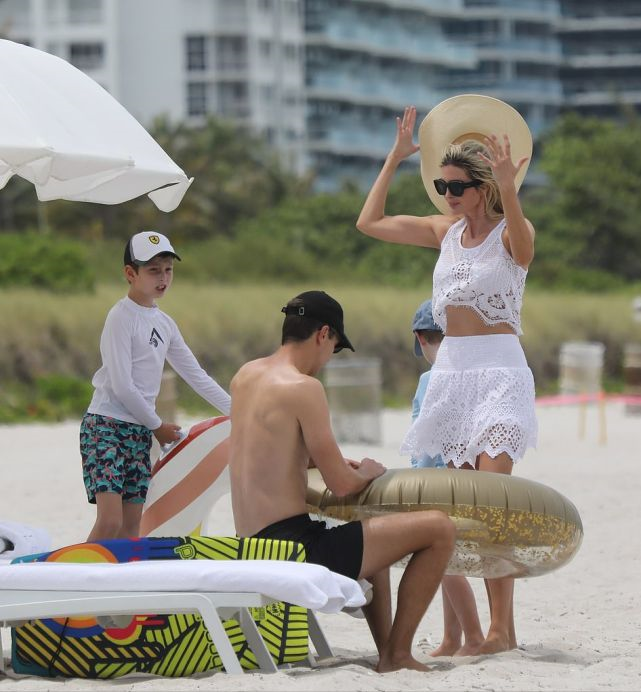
(302, 583)
(17, 540)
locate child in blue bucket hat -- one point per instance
(427, 339)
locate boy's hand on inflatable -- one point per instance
(371, 469)
(167, 433)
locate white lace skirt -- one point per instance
(480, 398)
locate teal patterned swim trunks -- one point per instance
(115, 457)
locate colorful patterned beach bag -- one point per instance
(157, 643)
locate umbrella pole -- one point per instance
(43, 218)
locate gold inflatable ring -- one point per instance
(506, 526)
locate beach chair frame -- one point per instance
(20, 601)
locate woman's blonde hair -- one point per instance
(466, 156)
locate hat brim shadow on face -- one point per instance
(469, 116)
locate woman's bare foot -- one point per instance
(469, 648)
(389, 664)
(495, 643)
(447, 648)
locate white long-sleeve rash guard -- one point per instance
(134, 345)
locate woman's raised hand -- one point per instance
(500, 160)
(404, 144)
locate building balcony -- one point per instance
(518, 92)
(603, 97)
(586, 25)
(526, 50)
(547, 90)
(540, 6)
(434, 8)
(225, 72)
(383, 93)
(394, 45)
(605, 61)
(532, 10)
(351, 145)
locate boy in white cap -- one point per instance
(116, 432)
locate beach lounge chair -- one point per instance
(188, 479)
(211, 588)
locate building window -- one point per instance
(196, 98)
(267, 94)
(291, 52)
(85, 11)
(265, 49)
(291, 98)
(196, 49)
(15, 15)
(87, 56)
(231, 53)
(53, 47)
(233, 99)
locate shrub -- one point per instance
(226, 325)
(48, 398)
(44, 261)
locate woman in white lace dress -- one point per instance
(478, 411)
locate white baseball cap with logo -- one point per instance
(146, 245)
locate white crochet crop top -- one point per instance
(484, 278)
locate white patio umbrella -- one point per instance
(63, 132)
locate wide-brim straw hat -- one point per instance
(469, 116)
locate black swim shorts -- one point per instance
(339, 548)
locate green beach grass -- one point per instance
(49, 334)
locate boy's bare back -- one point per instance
(271, 402)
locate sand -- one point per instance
(577, 628)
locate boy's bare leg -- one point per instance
(512, 628)
(115, 519)
(452, 631)
(462, 598)
(501, 635)
(108, 517)
(131, 516)
(378, 612)
(427, 536)
(463, 618)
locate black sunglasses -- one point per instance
(456, 187)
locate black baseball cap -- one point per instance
(319, 306)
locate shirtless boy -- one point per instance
(280, 427)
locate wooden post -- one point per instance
(583, 409)
(167, 397)
(603, 433)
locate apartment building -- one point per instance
(324, 79)
(237, 59)
(365, 61)
(518, 55)
(601, 70)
